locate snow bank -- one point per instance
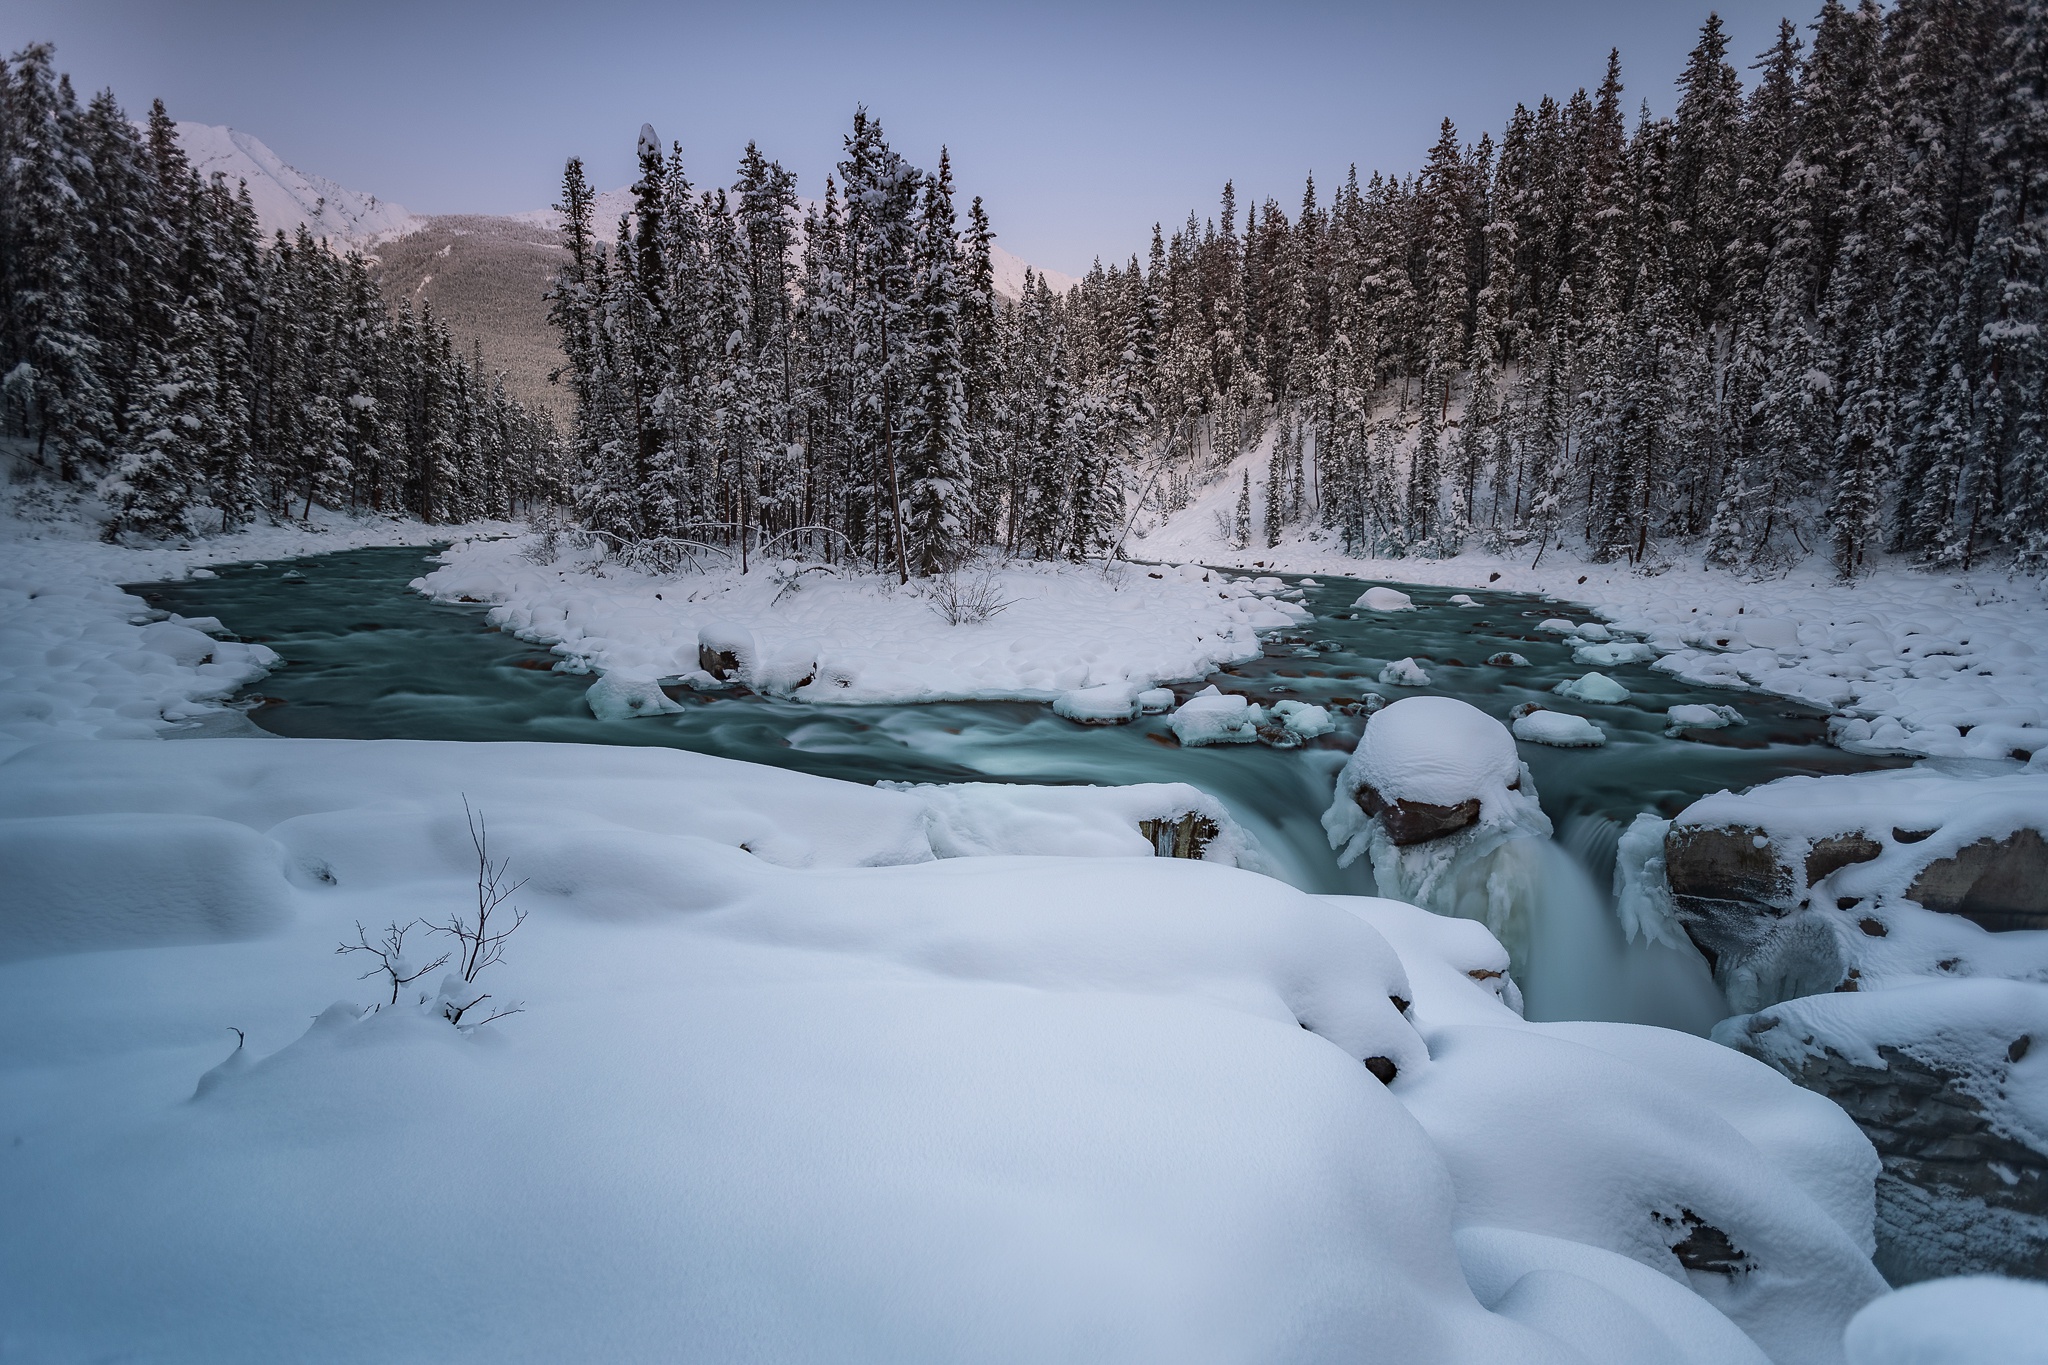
(1969, 1320)
(787, 1087)
(1559, 728)
(851, 639)
(82, 659)
(77, 882)
(988, 819)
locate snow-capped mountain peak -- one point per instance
(285, 196)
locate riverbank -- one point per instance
(1929, 665)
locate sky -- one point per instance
(1080, 124)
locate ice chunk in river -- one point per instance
(1596, 687)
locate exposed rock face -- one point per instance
(1956, 1197)
(1186, 836)
(1999, 883)
(1755, 908)
(1416, 822)
(722, 664)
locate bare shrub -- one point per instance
(967, 599)
(479, 942)
(389, 951)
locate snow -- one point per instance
(853, 640)
(790, 1084)
(1593, 687)
(1559, 728)
(1968, 1320)
(1385, 599)
(284, 197)
(1214, 717)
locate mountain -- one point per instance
(285, 196)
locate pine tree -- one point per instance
(1241, 530)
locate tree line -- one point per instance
(153, 344)
(1800, 315)
(1803, 315)
(836, 377)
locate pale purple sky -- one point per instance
(1080, 124)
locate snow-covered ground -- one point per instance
(1938, 665)
(852, 640)
(805, 1070)
(786, 1087)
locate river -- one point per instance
(365, 657)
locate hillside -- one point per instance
(485, 277)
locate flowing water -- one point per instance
(367, 658)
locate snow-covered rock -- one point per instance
(1609, 655)
(1404, 673)
(1215, 717)
(1593, 687)
(1437, 796)
(1385, 599)
(1559, 728)
(1303, 720)
(1945, 1078)
(1103, 704)
(612, 697)
(1700, 717)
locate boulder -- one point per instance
(1997, 883)
(1415, 822)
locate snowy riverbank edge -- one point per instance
(1948, 665)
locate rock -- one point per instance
(1184, 836)
(1997, 883)
(1385, 599)
(1416, 822)
(1506, 659)
(1958, 1193)
(725, 650)
(1732, 866)
(1837, 851)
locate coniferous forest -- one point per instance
(153, 344)
(1803, 314)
